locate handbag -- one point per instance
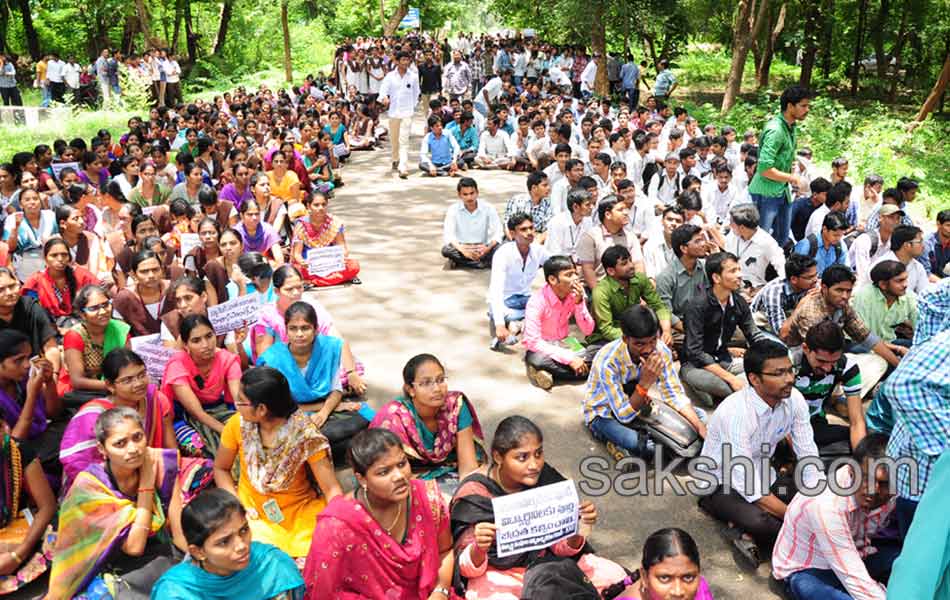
(557, 577)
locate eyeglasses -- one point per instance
(89, 310)
(143, 376)
(428, 384)
(781, 373)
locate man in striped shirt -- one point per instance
(824, 548)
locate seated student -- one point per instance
(936, 256)
(669, 569)
(142, 228)
(710, 366)
(271, 327)
(223, 562)
(907, 246)
(143, 305)
(831, 303)
(565, 228)
(203, 381)
(754, 247)
(390, 535)
(495, 150)
(220, 211)
(513, 268)
(192, 184)
(574, 170)
(684, 278)
(885, 305)
(837, 200)
(750, 423)
(120, 518)
(517, 464)
(87, 343)
(822, 368)
(25, 232)
(549, 354)
(534, 202)
(471, 230)
(206, 260)
(85, 247)
(619, 290)
(665, 184)
(804, 207)
(871, 246)
(24, 314)
(311, 364)
(719, 196)
(55, 286)
(620, 379)
(466, 136)
(827, 248)
(557, 170)
(658, 249)
(259, 236)
(191, 298)
(824, 547)
(320, 229)
(438, 428)
(905, 192)
(440, 153)
(280, 448)
(773, 304)
(613, 216)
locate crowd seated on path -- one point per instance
(679, 267)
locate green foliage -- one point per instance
(136, 91)
(83, 124)
(707, 66)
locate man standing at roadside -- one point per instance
(399, 93)
(769, 187)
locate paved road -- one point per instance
(408, 303)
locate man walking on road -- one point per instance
(399, 93)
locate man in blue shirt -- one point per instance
(828, 248)
(630, 82)
(439, 154)
(466, 135)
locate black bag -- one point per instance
(340, 429)
(556, 577)
(670, 429)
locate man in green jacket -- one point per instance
(622, 288)
(769, 187)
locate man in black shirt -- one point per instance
(710, 366)
(25, 314)
(430, 79)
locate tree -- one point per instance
(764, 62)
(285, 26)
(877, 33)
(938, 90)
(810, 43)
(748, 25)
(858, 45)
(598, 44)
(393, 24)
(224, 20)
(32, 40)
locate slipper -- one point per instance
(747, 549)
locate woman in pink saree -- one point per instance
(388, 539)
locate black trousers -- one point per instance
(747, 516)
(56, 90)
(449, 252)
(561, 372)
(826, 433)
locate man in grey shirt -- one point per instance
(684, 278)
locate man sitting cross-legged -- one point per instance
(472, 230)
(552, 355)
(440, 153)
(620, 378)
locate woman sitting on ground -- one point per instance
(28, 542)
(231, 247)
(203, 260)
(191, 298)
(362, 127)
(311, 364)
(77, 221)
(259, 236)
(321, 230)
(223, 563)
(338, 135)
(56, 286)
(149, 192)
(439, 430)
(143, 303)
(517, 464)
(121, 517)
(271, 327)
(670, 570)
(203, 380)
(87, 344)
(21, 312)
(273, 208)
(279, 447)
(388, 538)
(141, 228)
(26, 231)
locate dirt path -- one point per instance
(409, 304)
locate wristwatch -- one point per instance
(442, 590)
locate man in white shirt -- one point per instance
(719, 196)
(657, 251)
(665, 184)
(754, 247)
(565, 228)
(71, 73)
(838, 200)
(495, 150)
(557, 170)
(471, 231)
(871, 246)
(513, 268)
(589, 76)
(488, 95)
(399, 92)
(563, 186)
(744, 432)
(172, 80)
(55, 72)
(907, 244)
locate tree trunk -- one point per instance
(29, 32)
(224, 21)
(191, 38)
(765, 65)
(4, 23)
(382, 15)
(745, 30)
(598, 44)
(393, 24)
(939, 88)
(128, 31)
(179, 13)
(285, 27)
(826, 37)
(145, 25)
(812, 16)
(858, 45)
(877, 33)
(898, 52)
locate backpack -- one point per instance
(813, 248)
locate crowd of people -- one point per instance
(710, 281)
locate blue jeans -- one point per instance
(47, 96)
(612, 430)
(822, 584)
(514, 310)
(774, 216)
(481, 108)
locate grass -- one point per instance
(84, 124)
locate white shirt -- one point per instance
(495, 146)
(917, 280)
(657, 254)
(664, 193)
(716, 202)
(553, 171)
(816, 219)
(71, 75)
(588, 77)
(861, 256)
(402, 91)
(557, 76)
(479, 227)
(492, 88)
(55, 71)
(742, 424)
(511, 274)
(559, 193)
(755, 255)
(172, 71)
(564, 233)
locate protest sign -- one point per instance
(535, 518)
(235, 314)
(324, 261)
(188, 242)
(155, 355)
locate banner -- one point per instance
(188, 242)
(536, 518)
(155, 355)
(235, 314)
(324, 261)
(412, 19)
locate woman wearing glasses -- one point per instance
(438, 428)
(86, 345)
